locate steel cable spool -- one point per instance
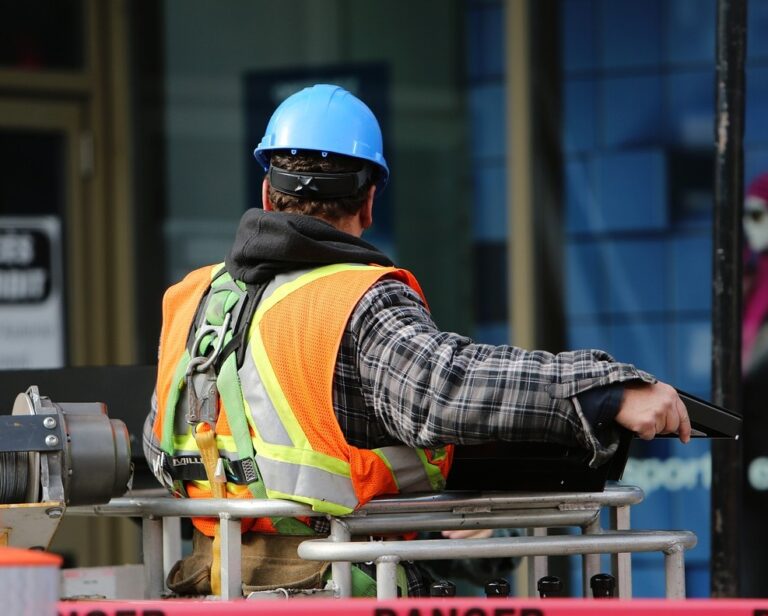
(14, 476)
(71, 453)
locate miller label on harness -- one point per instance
(269, 406)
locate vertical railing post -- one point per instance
(341, 572)
(621, 564)
(538, 566)
(590, 563)
(231, 549)
(152, 548)
(386, 577)
(674, 570)
(171, 543)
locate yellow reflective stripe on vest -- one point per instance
(321, 461)
(289, 287)
(407, 468)
(259, 355)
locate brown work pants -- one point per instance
(268, 562)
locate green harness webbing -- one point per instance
(224, 296)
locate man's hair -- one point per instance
(330, 209)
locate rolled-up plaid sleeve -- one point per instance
(429, 387)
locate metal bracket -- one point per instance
(41, 433)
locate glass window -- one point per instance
(41, 35)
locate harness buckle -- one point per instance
(202, 393)
(202, 398)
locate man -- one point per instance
(308, 368)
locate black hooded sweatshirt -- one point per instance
(270, 243)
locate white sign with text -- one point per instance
(31, 293)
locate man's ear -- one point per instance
(265, 202)
(366, 212)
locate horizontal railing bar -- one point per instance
(523, 518)
(608, 542)
(139, 504)
(188, 507)
(612, 496)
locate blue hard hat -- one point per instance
(325, 118)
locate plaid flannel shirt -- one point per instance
(400, 379)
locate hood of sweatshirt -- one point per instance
(269, 243)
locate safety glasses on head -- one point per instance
(311, 185)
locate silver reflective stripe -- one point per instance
(264, 414)
(409, 472)
(281, 279)
(306, 481)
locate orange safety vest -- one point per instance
(293, 342)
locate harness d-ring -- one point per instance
(201, 363)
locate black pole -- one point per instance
(726, 299)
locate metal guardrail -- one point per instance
(533, 511)
(387, 554)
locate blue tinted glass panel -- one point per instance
(493, 43)
(693, 357)
(474, 43)
(580, 196)
(586, 288)
(579, 115)
(691, 273)
(690, 110)
(590, 335)
(486, 108)
(690, 31)
(636, 275)
(489, 206)
(578, 28)
(632, 190)
(697, 578)
(755, 163)
(756, 125)
(630, 33)
(757, 26)
(631, 111)
(491, 333)
(644, 344)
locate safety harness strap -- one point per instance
(206, 442)
(228, 383)
(216, 326)
(177, 384)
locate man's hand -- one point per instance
(649, 410)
